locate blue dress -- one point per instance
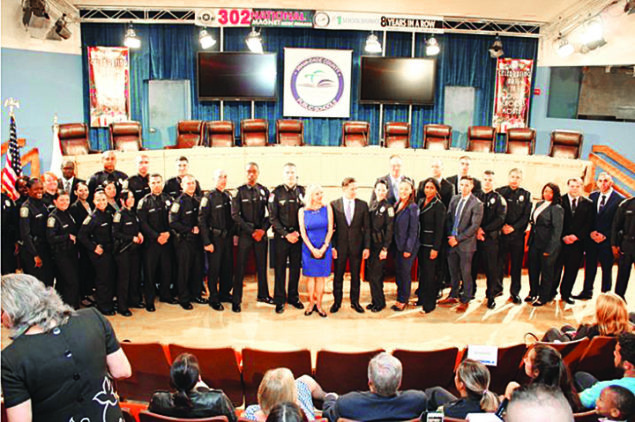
(317, 226)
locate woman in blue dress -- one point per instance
(316, 227)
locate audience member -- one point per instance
(193, 398)
(392, 180)
(406, 241)
(537, 403)
(60, 363)
(616, 404)
(286, 412)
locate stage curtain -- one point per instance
(169, 52)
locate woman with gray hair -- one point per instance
(60, 363)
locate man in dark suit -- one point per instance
(623, 243)
(578, 218)
(446, 190)
(464, 170)
(68, 181)
(384, 401)
(351, 241)
(463, 220)
(173, 185)
(598, 244)
(391, 180)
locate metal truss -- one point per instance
(491, 27)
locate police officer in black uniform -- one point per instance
(152, 211)
(217, 231)
(382, 216)
(35, 252)
(109, 160)
(512, 240)
(96, 235)
(183, 219)
(127, 237)
(494, 212)
(9, 234)
(173, 185)
(284, 203)
(139, 184)
(623, 243)
(61, 233)
(249, 211)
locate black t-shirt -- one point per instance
(63, 372)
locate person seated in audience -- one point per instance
(624, 359)
(538, 403)
(286, 412)
(278, 386)
(611, 319)
(471, 380)
(60, 364)
(193, 398)
(616, 404)
(544, 365)
(384, 401)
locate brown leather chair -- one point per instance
(150, 371)
(355, 134)
(423, 369)
(437, 137)
(290, 132)
(126, 136)
(397, 134)
(189, 133)
(74, 139)
(220, 133)
(566, 144)
(481, 138)
(254, 132)
(521, 141)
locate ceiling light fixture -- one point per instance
(131, 40)
(254, 41)
(206, 39)
(372, 44)
(592, 35)
(496, 50)
(61, 28)
(432, 47)
(564, 48)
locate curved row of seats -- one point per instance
(127, 136)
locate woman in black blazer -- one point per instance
(382, 215)
(431, 224)
(406, 229)
(544, 244)
(80, 209)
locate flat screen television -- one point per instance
(236, 76)
(397, 80)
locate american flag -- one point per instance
(13, 167)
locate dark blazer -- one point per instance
(407, 229)
(471, 219)
(368, 407)
(391, 198)
(60, 185)
(355, 237)
(603, 220)
(432, 224)
(579, 223)
(205, 404)
(454, 181)
(446, 192)
(546, 230)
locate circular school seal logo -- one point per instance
(317, 84)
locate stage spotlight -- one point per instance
(432, 47)
(33, 7)
(131, 40)
(592, 35)
(372, 44)
(61, 28)
(496, 50)
(206, 39)
(254, 41)
(564, 47)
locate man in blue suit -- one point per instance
(598, 245)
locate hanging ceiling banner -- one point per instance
(283, 18)
(216, 17)
(513, 92)
(109, 85)
(377, 22)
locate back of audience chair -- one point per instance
(424, 369)
(509, 361)
(598, 358)
(150, 371)
(146, 416)
(590, 416)
(343, 372)
(127, 416)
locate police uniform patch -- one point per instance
(382, 209)
(7, 203)
(503, 201)
(24, 212)
(86, 220)
(204, 202)
(391, 212)
(50, 223)
(116, 218)
(282, 203)
(262, 192)
(492, 201)
(521, 198)
(175, 207)
(124, 185)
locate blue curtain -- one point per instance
(169, 52)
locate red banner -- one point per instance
(109, 72)
(513, 92)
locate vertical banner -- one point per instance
(109, 73)
(317, 83)
(513, 92)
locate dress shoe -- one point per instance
(357, 307)
(448, 301)
(310, 310)
(370, 306)
(583, 296)
(297, 304)
(236, 307)
(531, 299)
(268, 300)
(109, 312)
(568, 300)
(398, 307)
(125, 313)
(139, 305)
(320, 312)
(199, 300)
(491, 303)
(515, 299)
(217, 306)
(279, 309)
(187, 306)
(169, 301)
(150, 308)
(462, 307)
(377, 308)
(335, 307)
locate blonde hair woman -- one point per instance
(316, 227)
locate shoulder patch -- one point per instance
(86, 220)
(50, 222)
(117, 217)
(503, 201)
(204, 202)
(24, 212)
(175, 207)
(391, 211)
(125, 184)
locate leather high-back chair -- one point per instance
(566, 144)
(126, 136)
(521, 141)
(355, 133)
(189, 133)
(74, 139)
(290, 132)
(220, 133)
(481, 138)
(397, 134)
(254, 132)
(437, 137)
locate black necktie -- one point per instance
(602, 202)
(574, 205)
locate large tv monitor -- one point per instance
(236, 76)
(397, 80)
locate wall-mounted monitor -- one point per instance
(236, 76)
(397, 80)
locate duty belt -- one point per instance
(219, 232)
